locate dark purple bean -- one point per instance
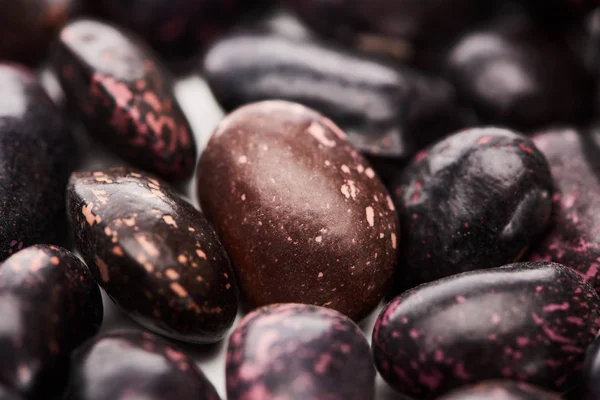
(395, 27)
(302, 215)
(501, 390)
(386, 110)
(49, 305)
(27, 27)
(124, 97)
(474, 200)
(296, 351)
(136, 365)
(37, 154)
(574, 238)
(519, 76)
(529, 322)
(154, 254)
(177, 28)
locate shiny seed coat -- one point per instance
(50, 304)
(37, 154)
(302, 215)
(124, 97)
(386, 110)
(297, 352)
(136, 365)
(529, 322)
(154, 254)
(474, 200)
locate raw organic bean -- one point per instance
(154, 254)
(302, 215)
(296, 351)
(574, 237)
(474, 200)
(37, 154)
(136, 365)
(519, 76)
(529, 322)
(50, 304)
(386, 110)
(124, 97)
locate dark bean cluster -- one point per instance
(400, 199)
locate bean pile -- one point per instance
(401, 200)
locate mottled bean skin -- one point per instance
(386, 109)
(574, 237)
(27, 27)
(154, 254)
(136, 365)
(396, 27)
(501, 390)
(298, 352)
(528, 321)
(474, 200)
(37, 154)
(177, 28)
(50, 304)
(302, 215)
(516, 75)
(124, 97)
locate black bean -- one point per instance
(37, 154)
(386, 109)
(474, 200)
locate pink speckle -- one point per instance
(317, 131)
(414, 334)
(484, 139)
(432, 381)
(569, 201)
(555, 336)
(420, 156)
(460, 299)
(575, 320)
(496, 319)
(460, 372)
(370, 216)
(556, 307)
(537, 319)
(525, 148)
(522, 341)
(322, 364)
